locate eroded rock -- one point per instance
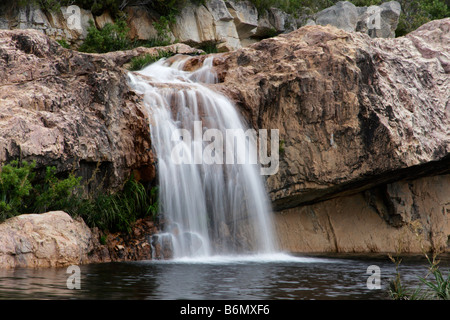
(71, 110)
(50, 239)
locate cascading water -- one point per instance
(208, 208)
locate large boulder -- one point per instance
(354, 114)
(343, 15)
(377, 21)
(51, 239)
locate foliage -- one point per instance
(171, 7)
(439, 288)
(15, 187)
(112, 37)
(63, 43)
(209, 47)
(397, 291)
(48, 5)
(21, 191)
(117, 212)
(416, 13)
(281, 147)
(97, 7)
(139, 63)
(163, 29)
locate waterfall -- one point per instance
(208, 208)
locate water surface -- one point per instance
(276, 277)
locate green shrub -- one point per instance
(163, 29)
(112, 37)
(21, 191)
(117, 212)
(63, 43)
(416, 13)
(15, 188)
(139, 63)
(54, 193)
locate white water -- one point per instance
(208, 209)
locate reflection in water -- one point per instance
(221, 278)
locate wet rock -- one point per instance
(357, 115)
(351, 110)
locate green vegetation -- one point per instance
(21, 191)
(281, 147)
(63, 43)
(209, 47)
(138, 63)
(112, 37)
(437, 287)
(171, 7)
(416, 13)
(163, 29)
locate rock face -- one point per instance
(52, 239)
(229, 25)
(358, 117)
(69, 23)
(71, 110)
(377, 21)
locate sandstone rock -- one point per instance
(50, 239)
(140, 20)
(70, 23)
(185, 28)
(212, 23)
(70, 110)
(278, 19)
(265, 28)
(103, 19)
(354, 224)
(32, 17)
(245, 17)
(348, 108)
(354, 113)
(225, 29)
(205, 25)
(219, 10)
